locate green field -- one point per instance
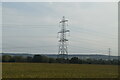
(46, 70)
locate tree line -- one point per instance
(45, 59)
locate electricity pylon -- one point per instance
(109, 52)
(63, 51)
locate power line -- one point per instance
(95, 43)
(25, 25)
(111, 36)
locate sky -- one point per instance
(0, 27)
(31, 27)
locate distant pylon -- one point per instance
(109, 52)
(63, 51)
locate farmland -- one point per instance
(53, 70)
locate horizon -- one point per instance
(57, 53)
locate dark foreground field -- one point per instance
(46, 70)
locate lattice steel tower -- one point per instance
(63, 52)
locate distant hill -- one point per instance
(81, 56)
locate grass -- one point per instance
(46, 70)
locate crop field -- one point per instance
(47, 70)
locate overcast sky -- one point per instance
(32, 27)
(0, 27)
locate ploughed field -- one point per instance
(47, 70)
